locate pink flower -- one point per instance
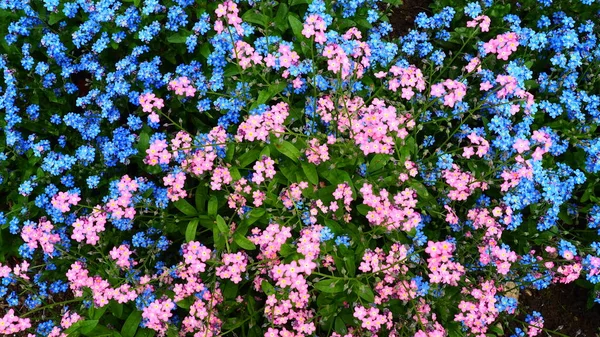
(521, 145)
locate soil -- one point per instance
(402, 18)
(564, 309)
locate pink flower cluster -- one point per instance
(483, 21)
(64, 200)
(400, 214)
(230, 11)
(182, 86)
(289, 196)
(194, 257)
(503, 258)
(508, 83)
(258, 127)
(122, 255)
(149, 101)
(409, 79)
(568, 273)
(40, 235)
(264, 168)
(443, 269)
(67, 320)
(102, 292)
(237, 199)
(11, 324)
(453, 91)
(482, 148)
(389, 266)
(87, 228)
(270, 240)
(123, 206)
(475, 63)
(203, 315)
(290, 304)
(157, 153)
(315, 26)
(482, 219)
(220, 176)
(535, 326)
(343, 191)
(246, 55)
(463, 183)
(285, 58)
(411, 167)
(174, 184)
(157, 314)
(18, 270)
(316, 153)
(503, 45)
(480, 313)
(373, 131)
(433, 328)
(203, 159)
(338, 61)
(233, 267)
(371, 318)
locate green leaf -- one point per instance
(222, 225)
(131, 324)
(243, 241)
(364, 291)
(340, 327)
(96, 313)
(265, 95)
(213, 204)
(200, 198)
(297, 25)
(205, 50)
(311, 173)
(267, 287)
(143, 143)
(185, 207)
(297, 2)
(248, 157)
(255, 17)
(55, 17)
(190, 231)
(145, 333)
(177, 38)
(378, 162)
(330, 286)
(280, 21)
(289, 150)
(116, 309)
(87, 326)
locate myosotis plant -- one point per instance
(290, 169)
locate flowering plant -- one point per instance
(289, 169)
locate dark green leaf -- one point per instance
(177, 38)
(222, 225)
(190, 231)
(185, 207)
(213, 204)
(364, 291)
(289, 150)
(330, 286)
(243, 241)
(311, 173)
(131, 324)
